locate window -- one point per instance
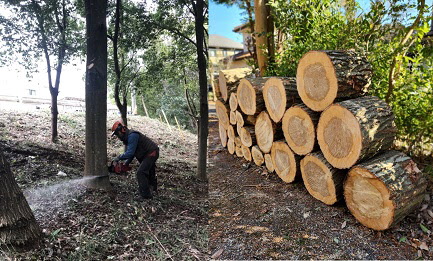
(212, 53)
(225, 53)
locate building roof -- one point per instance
(239, 28)
(216, 40)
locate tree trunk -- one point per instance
(96, 93)
(354, 130)
(264, 35)
(322, 181)
(382, 191)
(248, 136)
(223, 135)
(266, 132)
(250, 96)
(17, 223)
(204, 108)
(285, 162)
(323, 76)
(54, 114)
(268, 162)
(222, 110)
(257, 155)
(233, 102)
(246, 152)
(229, 80)
(299, 128)
(280, 93)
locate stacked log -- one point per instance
(324, 129)
(228, 80)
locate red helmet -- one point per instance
(117, 126)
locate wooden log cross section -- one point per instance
(257, 155)
(229, 79)
(323, 76)
(223, 134)
(285, 162)
(222, 110)
(266, 132)
(382, 191)
(250, 95)
(356, 129)
(280, 93)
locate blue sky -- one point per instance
(222, 20)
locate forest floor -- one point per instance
(83, 224)
(254, 215)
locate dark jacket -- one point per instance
(144, 146)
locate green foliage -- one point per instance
(376, 33)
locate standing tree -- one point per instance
(43, 27)
(17, 223)
(96, 93)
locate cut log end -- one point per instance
(257, 155)
(222, 113)
(268, 162)
(274, 95)
(246, 152)
(231, 132)
(284, 161)
(233, 102)
(264, 132)
(233, 120)
(299, 130)
(246, 97)
(239, 152)
(223, 135)
(247, 136)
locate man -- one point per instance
(145, 151)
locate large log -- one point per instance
(248, 136)
(222, 111)
(250, 95)
(231, 146)
(280, 93)
(223, 135)
(268, 162)
(257, 155)
(382, 191)
(246, 153)
(285, 162)
(231, 133)
(266, 132)
(299, 128)
(354, 130)
(233, 102)
(323, 76)
(229, 80)
(322, 181)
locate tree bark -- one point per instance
(257, 155)
(228, 80)
(299, 128)
(382, 191)
(322, 181)
(266, 132)
(264, 34)
(96, 93)
(323, 76)
(250, 95)
(280, 93)
(285, 162)
(351, 131)
(18, 225)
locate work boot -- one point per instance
(141, 198)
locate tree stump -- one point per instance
(299, 128)
(323, 76)
(223, 135)
(280, 93)
(248, 136)
(233, 102)
(266, 132)
(247, 153)
(250, 96)
(268, 162)
(222, 111)
(257, 155)
(382, 191)
(322, 181)
(285, 162)
(229, 80)
(231, 146)
(353, 130)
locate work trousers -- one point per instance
(146, 176)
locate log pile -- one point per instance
(321, 127)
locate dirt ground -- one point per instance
(254, 215)
(81, 224)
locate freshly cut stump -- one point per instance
(257, 155)
(354, 130)
(285, 162)
(232, 117)
(322, 181)
(239, 151)
(229, 79)
(231, 146)
(323, 76)
(299, 128)
(233, 102)
(280, 93)
(250, 95)
(382, 191)
(266, 132)
(231, 134)
(222, 111)
(248, 136)
(223, 135)
(247, 153)
(268, 162)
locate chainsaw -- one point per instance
(119, 168)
